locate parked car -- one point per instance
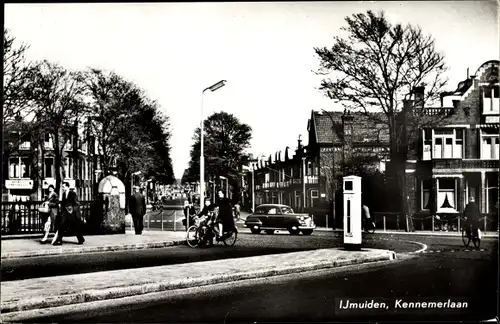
(271, 217)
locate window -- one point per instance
(313, 197)
(266, 177)
(425, 194)
(489, 146)
(286, 210)
(491, 99)
(48, 142)
(14, 168)
(448, 143)
(68, 168)
(427, 137)
(298, 199)
(446, 197)
(25, 167)
(459, 141)
(48, 167)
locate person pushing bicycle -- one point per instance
(472, 216)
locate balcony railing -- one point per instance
(464, 164)
(437, 111)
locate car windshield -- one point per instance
(286, 210)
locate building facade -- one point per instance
(458, 157)
(29, 167)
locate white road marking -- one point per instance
(424, 247)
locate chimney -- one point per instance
(419, 96)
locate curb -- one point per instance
(92, 249)
(120, 292)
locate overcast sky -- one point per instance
(263, 50)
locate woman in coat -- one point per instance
(52, 200)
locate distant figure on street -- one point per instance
(137, 208)
(69, 216)
(472, 215)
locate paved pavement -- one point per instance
(41, 293)
(31, 247)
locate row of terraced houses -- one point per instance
(456, 158)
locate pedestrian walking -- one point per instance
(49, 218)
(69, 216)
(137, 208)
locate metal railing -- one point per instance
(23, 217)
(425, 222)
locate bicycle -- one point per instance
(468, 236)
(203, 231)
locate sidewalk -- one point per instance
(427, 233)
(31, 247)
(18, 297)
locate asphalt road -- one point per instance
(247, 245)
(448, 272)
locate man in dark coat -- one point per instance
(472, 215)
(70, 216)
(137, 208)
(226, 220)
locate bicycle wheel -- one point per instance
(465, 237)
(231, 238)
(192, 236)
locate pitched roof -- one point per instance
(365, 129)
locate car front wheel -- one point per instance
(269, 232)
(255, 230)
(307, 232)
(294, 231)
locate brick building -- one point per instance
(29, 165)
(304, 180)
(458, 157)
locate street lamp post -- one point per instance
(212, 88)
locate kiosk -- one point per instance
(352, 212)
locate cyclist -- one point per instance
(472, 215)
(225, 220)
(205, 217)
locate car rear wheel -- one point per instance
(307, 232)
(270, 232)
(255, 230)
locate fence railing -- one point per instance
(23, 217)
(426, 222)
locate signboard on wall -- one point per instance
(492, 119)
(19, 184)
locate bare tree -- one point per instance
(59, 103)
(17, 79)
(375, 68)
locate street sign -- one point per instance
(19, 184)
